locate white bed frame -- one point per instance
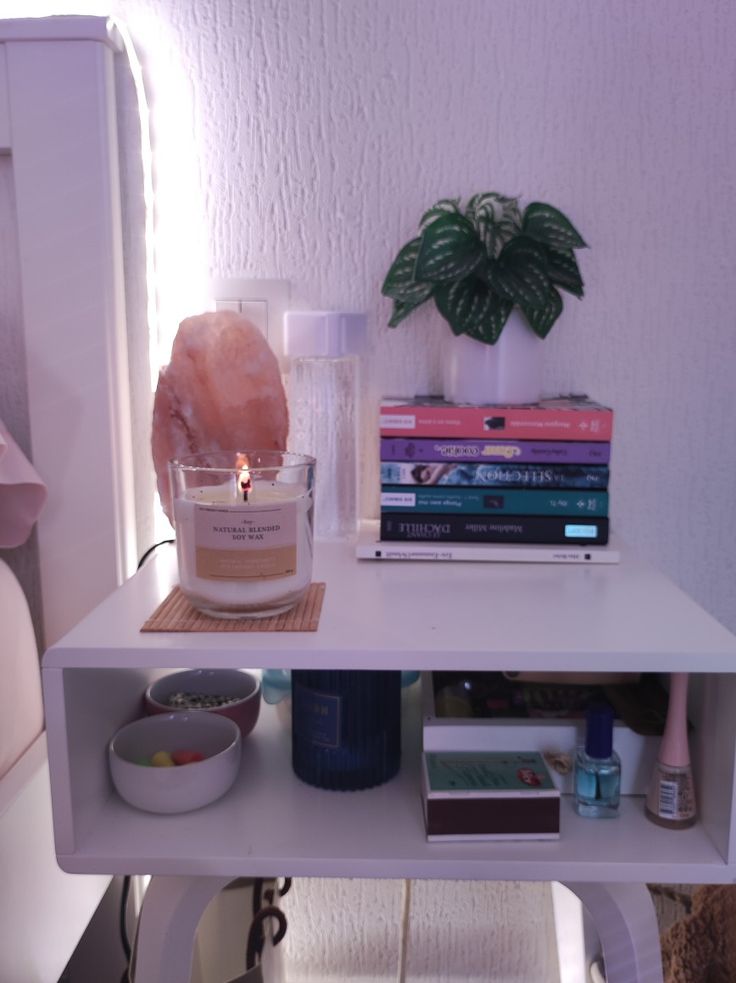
(57, 121)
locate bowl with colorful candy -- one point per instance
(232, 693)
(175, 762)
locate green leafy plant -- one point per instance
(477, 264)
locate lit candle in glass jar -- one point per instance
(244, 530)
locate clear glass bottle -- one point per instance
(598, 767)
(323, 387)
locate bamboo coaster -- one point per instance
(175, 613)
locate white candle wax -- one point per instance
(244, 558)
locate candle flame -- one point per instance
(245, 482)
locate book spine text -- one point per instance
(487, 529)
(428, 474)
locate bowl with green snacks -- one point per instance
(232, 693)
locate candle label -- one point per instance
(245, 542)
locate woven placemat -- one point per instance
(175, 613)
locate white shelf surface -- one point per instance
(271, 824)
(625, 617)
(389, 616)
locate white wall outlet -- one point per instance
(262, 301)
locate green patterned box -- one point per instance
(478, 795)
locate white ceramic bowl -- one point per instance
(184, 787)
(210, 682)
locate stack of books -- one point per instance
(532, 474)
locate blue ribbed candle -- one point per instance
(346, 727)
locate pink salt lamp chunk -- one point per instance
(222, 390)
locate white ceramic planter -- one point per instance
(508, 372)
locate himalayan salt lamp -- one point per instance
(221, 390)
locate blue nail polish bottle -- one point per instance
(598, 767)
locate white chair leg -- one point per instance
(626, 922)
(172, 908)
(572, 954)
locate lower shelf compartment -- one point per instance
(272, 824)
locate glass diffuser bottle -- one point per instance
(322, 347)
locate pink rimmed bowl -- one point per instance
(244, 686)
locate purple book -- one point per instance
(484, 451)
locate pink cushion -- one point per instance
(22, 493)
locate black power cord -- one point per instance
(163, 542)
(125, 942)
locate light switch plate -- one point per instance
(263, 301)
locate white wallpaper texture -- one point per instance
(321, 130)
(315, 132)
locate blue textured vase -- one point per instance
(346, 727)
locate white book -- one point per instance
(369, 546)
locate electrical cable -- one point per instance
(125, 942)
(163, 542)
(404, 939)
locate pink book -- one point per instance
(562, 418)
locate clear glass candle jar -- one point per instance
(243, 522)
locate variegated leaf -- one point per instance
(445, 206)
(541, 319)
(490, 331)
(563, 271)
(470, 307)
(400, 283)
(496, 217)
(501, 207)
(520, 274)
(402, 309)
(548, 225)
(449, 249)
(491, 234)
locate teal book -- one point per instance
(479, 795)
(493, 501)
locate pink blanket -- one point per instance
(22, 493)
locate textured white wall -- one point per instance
(469, 932)
(321, 130)
(311, 135)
